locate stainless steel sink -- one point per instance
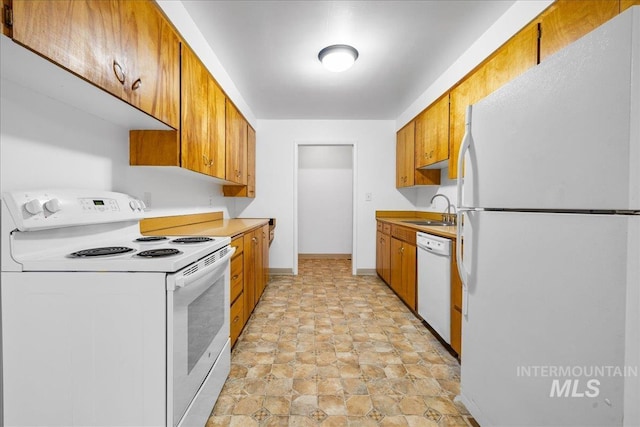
(428, 222)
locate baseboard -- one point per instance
(324, 256)
(281, 271)
(366, 272)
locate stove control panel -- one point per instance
(37, 210)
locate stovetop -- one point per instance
(82, 230)
(123, 255)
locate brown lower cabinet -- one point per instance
(249, 275)
(396, 264)
(456, 304)
(403, 264)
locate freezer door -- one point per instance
(543, 340)
(566, 134)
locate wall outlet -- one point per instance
(147, 199)
(368, 197)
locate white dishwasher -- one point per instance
(434, 283)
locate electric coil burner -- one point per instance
(156, 253)
(151, 239)
(194, 239)
(98, 252)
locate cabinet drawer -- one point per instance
(403, 233)
(384, 227)
(237, 277)
(237, 319)
(238, 243)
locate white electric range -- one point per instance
(104, 326)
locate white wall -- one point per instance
(374, 142)
(47, 144)
(325, 199)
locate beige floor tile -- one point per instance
(329, 349)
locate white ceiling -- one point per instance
(270, 50)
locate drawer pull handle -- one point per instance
(234, 277)
(236, 319)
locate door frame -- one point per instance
(354, 186)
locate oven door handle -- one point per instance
(181, 281)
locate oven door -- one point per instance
(197, 327)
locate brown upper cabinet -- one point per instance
(125, 47)
(405, 139)
(200, 144)
(203, 118)
(248, 190)
(236, 130)
(559, 25)
(512, 59)
(432, 134)
(565, 21)
(406, 173)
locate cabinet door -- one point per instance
(152, 61)
(432, 133)
(379, 253)
(236, 140)
(396, 265)
(408, 290)
(383, 256)
(195, 131)
(512, 59)
(567, 20)
(216, 129)
(265, 254)
(456, 305)
(251, 162)
(404, 156)
(249, 274)
(386, 258)
(258, 242)
(82, 36)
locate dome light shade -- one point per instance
(338, 57)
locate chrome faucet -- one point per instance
(446, 217)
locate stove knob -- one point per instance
(143, 206)
(53, 205)
(134, 205)
(34, 207)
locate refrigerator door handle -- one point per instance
(460, 262)
(464, 147)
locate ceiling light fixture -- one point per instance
(338, 57)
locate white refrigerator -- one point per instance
(549, 214)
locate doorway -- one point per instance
(325, 204)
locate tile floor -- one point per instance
(326, 348)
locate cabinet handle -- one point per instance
(254, 239)
(136, 84)
(206, 161)
(402, 250)
(236, 319)
(234, 277)
(117, 70)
